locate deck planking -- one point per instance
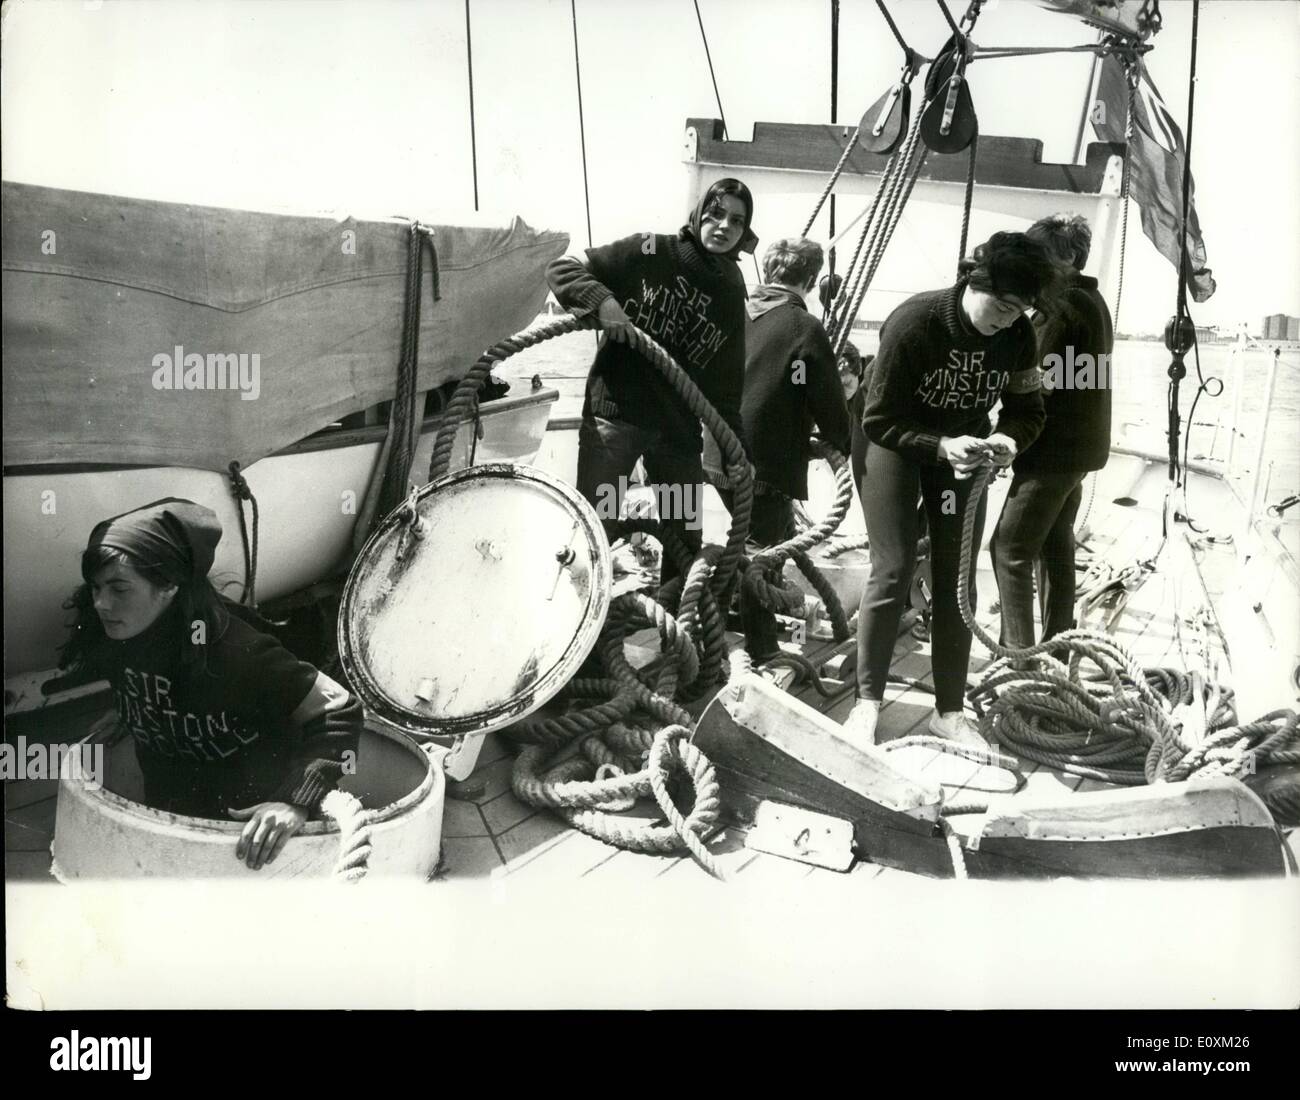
(487, 832)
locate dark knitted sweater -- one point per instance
(256, 725)
(694, 305)
(935, 376)
(791, 382)
(1076, 390)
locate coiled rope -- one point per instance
(1121, 724)
(626, 736)
(637, 758)
(768, 562)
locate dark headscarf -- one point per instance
(691, 231)
(176, 536)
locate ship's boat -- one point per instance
(148, 345)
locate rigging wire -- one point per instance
(712, 76)
(1131, 79)
(582, 127)
(1176, 368)
(948, 16)
(968, 200)
(835, 96)
(1088, 96)
(892, 25)
(993, 53)
(473, 132)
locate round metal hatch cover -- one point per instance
(482, 611)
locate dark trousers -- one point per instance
(893, 526)
(1037, 529)
(607, 454)
(771, 521)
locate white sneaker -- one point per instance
(860, 725)
(955, 726)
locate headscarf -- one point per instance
(177, 536)
(748, 239)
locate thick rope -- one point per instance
(837, 331)
(1123, 724)
(354, 825)
(768, 562)
(628, 727)
(967, 201)
(836, 172)
(242, 492)
(898, 187)
(612, 737)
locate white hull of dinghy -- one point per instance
(104, 833)
(308, 497)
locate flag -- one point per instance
(1156, 162)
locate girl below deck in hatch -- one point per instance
(226, 722)
(945, 358)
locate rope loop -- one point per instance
(1082, 704)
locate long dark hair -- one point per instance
(89, 648)
(728, 186)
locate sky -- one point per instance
(362, 106)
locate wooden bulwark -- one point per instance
(1002, 161)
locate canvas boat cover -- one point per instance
(101, 290)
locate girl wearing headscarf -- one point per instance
(687, 292)
(226, 722)
(946, 357)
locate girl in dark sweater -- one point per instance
(945, 358)
(226, 722)
(1036, 527)
(687, 292)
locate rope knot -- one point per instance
(238, 485)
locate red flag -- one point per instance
(1155, 167)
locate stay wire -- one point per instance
(582, 127)
(712, 76)
(473, 132)
(893, 26)
(1181, 310)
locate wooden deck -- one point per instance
(488, 833)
